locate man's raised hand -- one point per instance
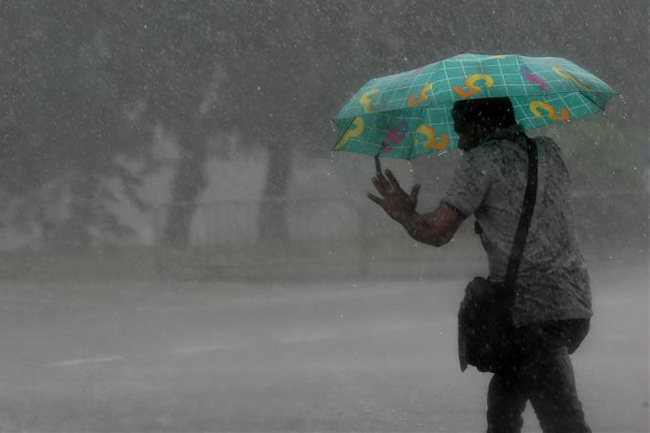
(394, 200)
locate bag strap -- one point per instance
(526, 216)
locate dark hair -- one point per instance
(491, 112)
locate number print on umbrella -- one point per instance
(537, 106)
(471, 85)
(528, 75)
(351, 133)
(367, 102)
(562, 73)
(430, 142)
(422, 97)
(394, 136)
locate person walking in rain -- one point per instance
(551, 309)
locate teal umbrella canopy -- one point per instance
(407, 115)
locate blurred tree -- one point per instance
(63, 124)
(85, 83)
(173, 68)
(200, 67)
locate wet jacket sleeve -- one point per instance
(468, 186)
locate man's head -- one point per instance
(475, 119)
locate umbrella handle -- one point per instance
(377, 164)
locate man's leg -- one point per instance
(550, 383)
(506, 403)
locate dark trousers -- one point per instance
(540, 371)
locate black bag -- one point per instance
(484, 319)
(484, 326)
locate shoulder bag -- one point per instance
(484, 319)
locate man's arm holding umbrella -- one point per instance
(435, 228)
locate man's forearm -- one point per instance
(423, 229)
(435, 228)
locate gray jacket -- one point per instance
(553, 283)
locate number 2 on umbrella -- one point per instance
(430, 142)
(350, 133)
(536, 106)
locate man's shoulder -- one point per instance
(506, 153)
(477, 158)
(492, 151)
(504, 147)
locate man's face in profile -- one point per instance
(467, 137)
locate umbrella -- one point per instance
(407, 115)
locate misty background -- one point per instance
(159, 157)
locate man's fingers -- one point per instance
(377, 200)
(381, 187)
(391, 178)
(381, 179)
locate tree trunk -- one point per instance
(188, 183)
(273, 223)
(74, 234)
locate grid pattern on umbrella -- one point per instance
(409, 114)
(491, 76)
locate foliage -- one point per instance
(85, 84)
(63, 122)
